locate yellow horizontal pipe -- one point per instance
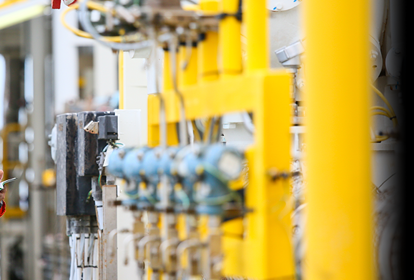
(215, 98)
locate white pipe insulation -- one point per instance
(285, 29)
(377, 29)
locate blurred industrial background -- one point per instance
(46, 70)
(38, 58)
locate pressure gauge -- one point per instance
(230, 164)
(282, 5)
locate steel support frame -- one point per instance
(267, 94)
(339, 232)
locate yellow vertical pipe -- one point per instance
(172, 137)
(189, 75)
(121, 78)
(230, 39)
(339, 230)
(269, 250)
(154, 105)
(269, 225)
(255, 17)
(208, 66)
(208, 47)
(167, 80)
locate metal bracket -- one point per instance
(289, 56)
(92, 127)
(275, 175)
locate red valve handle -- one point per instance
(56, 4)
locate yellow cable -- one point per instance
(382, 109)
(95, 6)
(387, 114)
(80, 33)
(379, 93)
(381, 113)
(380, 138)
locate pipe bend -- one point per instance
(165, 245)
(143, 242)
(185, 245)
(127, 240)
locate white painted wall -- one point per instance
(135, 97)
(105, 70)
(66, 69)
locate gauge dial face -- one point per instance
(230, 165)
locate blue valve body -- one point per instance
(166, 167)
(186, 168)
(221, 164)
(115, 161)
(211, 169)
(131, 166)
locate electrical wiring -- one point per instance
(197, 132)
(381, 109)
(201, 127)
(114, 145)
(220, 199)
(185, 200)
(100, 179)
(89, 196)
(378, 188)
(162, 115)
(388, 113)
(132, 196)
(385, 113)
(212, 130)
(172, 45)
(381, 114)
(83, 34)
(380, 138)
(379, 93)
(149, 197)
(207, 130)
(87, 25)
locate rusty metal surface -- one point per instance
(88, 144)
(65, 164)
(76, 162)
